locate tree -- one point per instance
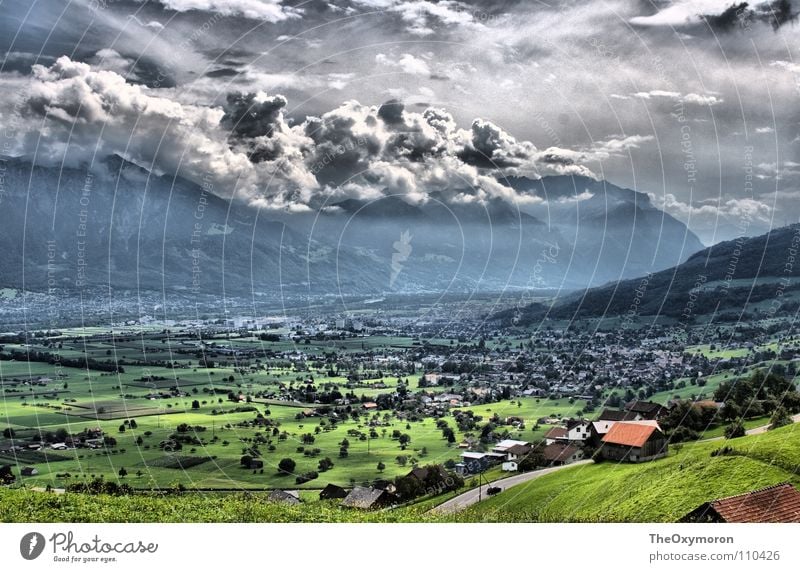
(343, 452)
(780, 418)
(246, 460)
(286, 466)
(195, 404)
(734, 430)
(6, 476)
(122, 428)
(9, 433)
(325, 465)
(404, 439)
(449, 434)
(122, 472)
(381, 466)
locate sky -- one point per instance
(295, 105)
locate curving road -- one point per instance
(470, 497)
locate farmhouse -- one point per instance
(288, 497)
(332, 492)
(29, 472)
(616, 415)
(561, 454)
(506, 444)
(475, 462)
(647, 409)
(577, 430)
(634, 442)
(367, 498)
(778, 503)
(556, 434)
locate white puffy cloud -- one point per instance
(76, 113)
(93, 113)
(422, 17)
(269, 10)
(692, 98)
(409, 63)
(741, 208)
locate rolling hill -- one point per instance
(658, 491)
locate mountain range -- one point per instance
(724, 280)
(121, 226)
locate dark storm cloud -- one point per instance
(391, 112)
(223, 72)
(614, 69)
(247, 115)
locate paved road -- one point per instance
(756, 430)
(764, 428)
(470, 497)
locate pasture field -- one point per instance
(140, 410)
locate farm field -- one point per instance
(143, 407)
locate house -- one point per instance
(555, 435)
(578, 430)
(778, 503)
(598, 430)
(561, 454)
(428, 473)
(475, 462)
(647, 409)
(370, 405)
(29, 472)
(368, 498)
(616, 415)
(332, 492)
(510, 466)
(288, 497)
(503, 446)
(634, 441)
(518, 452)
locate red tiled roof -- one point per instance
(629, 434)
(778, 503)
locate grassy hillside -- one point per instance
(18, 505)
(660, 491)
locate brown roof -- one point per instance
(629, 434)
(778, 503)
(366, 498)
(644, 406)
(559, 452)
(519, 449)
(556, 433)
(614, 415)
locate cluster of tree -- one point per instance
(47, 357)
(99, 486)
(761, 394)
(431, 479)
